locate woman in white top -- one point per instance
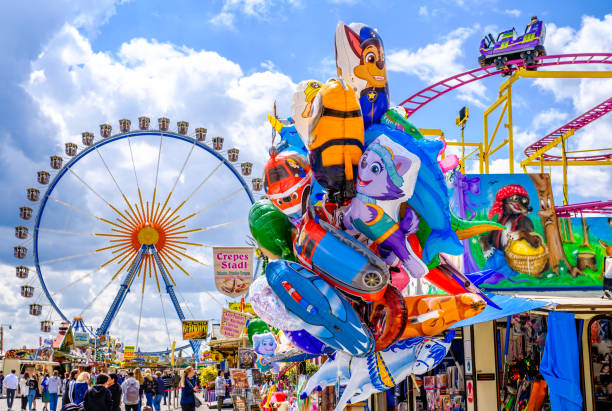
(22, 391)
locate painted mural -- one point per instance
(537, 250)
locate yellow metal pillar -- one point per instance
(510, 129)
(462, 168)
(564, 160)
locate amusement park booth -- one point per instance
(26, 360)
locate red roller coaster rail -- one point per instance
(421, 98)
(576, 124)
(594, 207)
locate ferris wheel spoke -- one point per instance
(161, 301)
(211, 295)
(221, 200)
(133, 163)
(106, 287)
(70, 257)
(78, 280)
(229, 223)
(96, 193)
(73, 207)
(51, 230)
(166, 217)
(144, 279)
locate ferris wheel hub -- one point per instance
(148, 235)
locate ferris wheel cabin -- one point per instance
(43, 177)
(200, 134)
(105, 130)
(27, 291)
(25, 212)
(21, 271)
(144, 123)
(232, 154)
(21, 232)
(20, 252)
(124, 125)
(164, 123)
(217, 143)
(56, 162)
(87, 138)
(35, 309)
(182, 127)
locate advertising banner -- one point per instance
(172, 354)
(195, 330)
(537, 250)
(232, 323)
(240, 378)
(246, 358)
(233, 269)
(81, 339)
(128, 353)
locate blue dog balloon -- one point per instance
(430, 198)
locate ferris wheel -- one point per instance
(118, 230)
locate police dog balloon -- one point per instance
(360, 62)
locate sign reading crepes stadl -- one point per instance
(233, 269)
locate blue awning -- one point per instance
(510, 305)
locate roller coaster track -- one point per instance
(428, 94)
(576, 124)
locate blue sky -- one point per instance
(70, 66)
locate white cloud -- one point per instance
(260, 9)
(439, 60)
(423, 11)
(512, 12)
(550, 117)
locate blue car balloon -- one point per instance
(326, 313)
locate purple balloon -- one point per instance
(303, 340)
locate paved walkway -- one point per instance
(17, 406)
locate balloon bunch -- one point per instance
(357, 206)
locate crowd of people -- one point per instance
(135, 390)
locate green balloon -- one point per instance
(256, 326)
(271, 229)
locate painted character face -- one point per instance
(381, 178)
(372, 68)
(372, 175)
(267, 346)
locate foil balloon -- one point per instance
(256, 326)
(386, 179)
(335, 140)
(265, 346)
(429, 315)
(325, 313)
(287, 178)
(301, 107)
(269, 308)
(340, 259)
(290, 138)
(381, 370)
(306, 342)
(272, 230)
(430, 188)
(360, 62)
(386, 318)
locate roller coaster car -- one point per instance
(509, 46)
(340, 259)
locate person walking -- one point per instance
(131, 392)
(160, 388)
(53, 387)
(45, 392)
(189, 388)
(80, 388)
(220, 389)
(176, 384)
(22, 390)
(140, 378)
(10, 383)
(115, 390)
(32, 385)
(98, 397)
(69, 387)
(167, 385)
(149, 387)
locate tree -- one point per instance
(548, 217)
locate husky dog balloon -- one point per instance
(360, 62)
(387, 175)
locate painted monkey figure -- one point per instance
(511, 205)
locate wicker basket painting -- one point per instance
(528, 264)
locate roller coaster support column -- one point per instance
(195, 344)
(564, 160)
(505, 98)
(123, 290)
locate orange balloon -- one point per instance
(429, 315)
